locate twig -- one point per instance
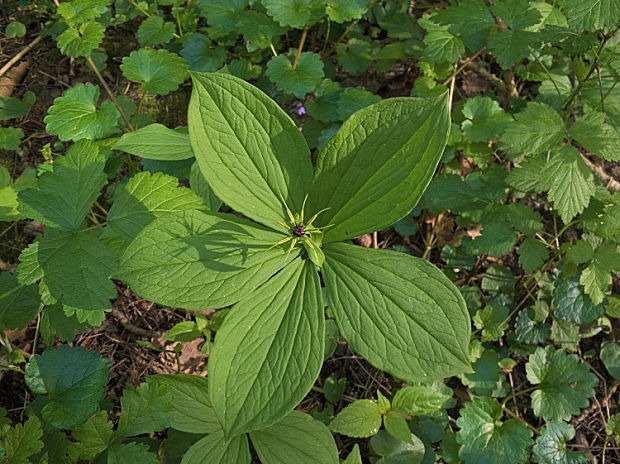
(129, 326)
(464, 65)
(487, 75)
(612, 184)
(109, 92)
(600, 88)
(19, 55)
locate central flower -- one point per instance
(298, 230)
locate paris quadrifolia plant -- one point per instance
(399, 312)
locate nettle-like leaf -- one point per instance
(532, 254)
(136, 453)
(22, 441)
(528, 331)
(155, 30)
(442, 45)
(63, 196)
(537, 129)
(485, 120)
(276, 326)
(484, 438)
(159, 71)
(564, 384)
(299, 81)
(75, 116)
(73, 380)
(360, 419)
(550, 446)
(157, 142)
(373, 293)
(93, 436)
(418, 400)
(81, 42)
(19, 304)
(80, 11)
(296, 438)
(596, 136)
(569, 181)
(145, 197)
(145, 409)
(572, 305)
(471, 20)
(216, 449)
(406, 137)
(510, 47)
(589, 15)
(295, 13)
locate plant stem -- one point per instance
(514, 416)
(516, 394)
(542, 65)
(109, 92)
(139, 111)
(464, 65)
(19, 55)
(302, 41)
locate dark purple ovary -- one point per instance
(298, 230)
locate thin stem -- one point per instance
(516, 394)
(464, 65)
(514, 416)
(600, 88)
(542, 65)
(329, 27)
(101, 208)
(109, 92)
(19, 55)
(273, 49)
(302, 41)
(36, 332)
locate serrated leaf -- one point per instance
(87, 287)
(324, 105)
(146, 197)
(359, 419)
(564, 384)
(159, 71)
(471, 20)
(222, 15)
(510, 47)
(75, 116)
(490, 320)
(532, 254)
(537, 129)
(399, 312)
(73, 380)
(62, 197)
(79, 11)
(528, 331)
(572, 305)
(93, 436)
(484, 438)
(145, 409)
(156, 142)
(569, 181)
(596, 280)
(199, 54)
(295, 13)
(191, 408)
(249, 151)
(517, 14)
(610, 355)
(275, 332)
(215, 449)
(406, 137)
(19, 304)
(217, 259)
(589, 15)
(442, 45)
(397, 426)
(134, 453)
(596, 136)
(485, 120)
(154, 30)
(296, 438)
(82, 41)
(10, 138)
(550, 446)
(23, 441)
(418, 400)
(497, 239)
(299, 81)
(342, 11)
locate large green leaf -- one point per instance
(276, 332)
(75, 116)
(376, 167)
(157, 142)
(215, 449)
(145, 197)
(299, 81)
(159, 71)
(191, 407)
(400, 313)
(297, 438)
(198, 260)
(63, 197)
(586, 15)
(595, 135)
(145, 409)
(73, 380)
(248, 149)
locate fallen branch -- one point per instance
(20, 55)
(612, 184)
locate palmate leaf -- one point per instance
(537, 129)
(366, 193)
(146, 197)
(401, 313)
(277, 332)
(485, 120)
(93, 436)
(80, 11)
(442, 45)
(299, 81)
(155, 30)
(550, 446)
(341, 11)
(295, 13)
(222, 15)
(73, 380)
(75, 116)
(484, 439)
(216, 449)
(564, 384)
(159, 71)
(297, 438)
(63, 196)
(197, 260)
(509, 47)
(134, 453)
(249, 150)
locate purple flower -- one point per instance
(299, 109)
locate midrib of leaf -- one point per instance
(386, 297)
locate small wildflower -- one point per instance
(299, 109)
